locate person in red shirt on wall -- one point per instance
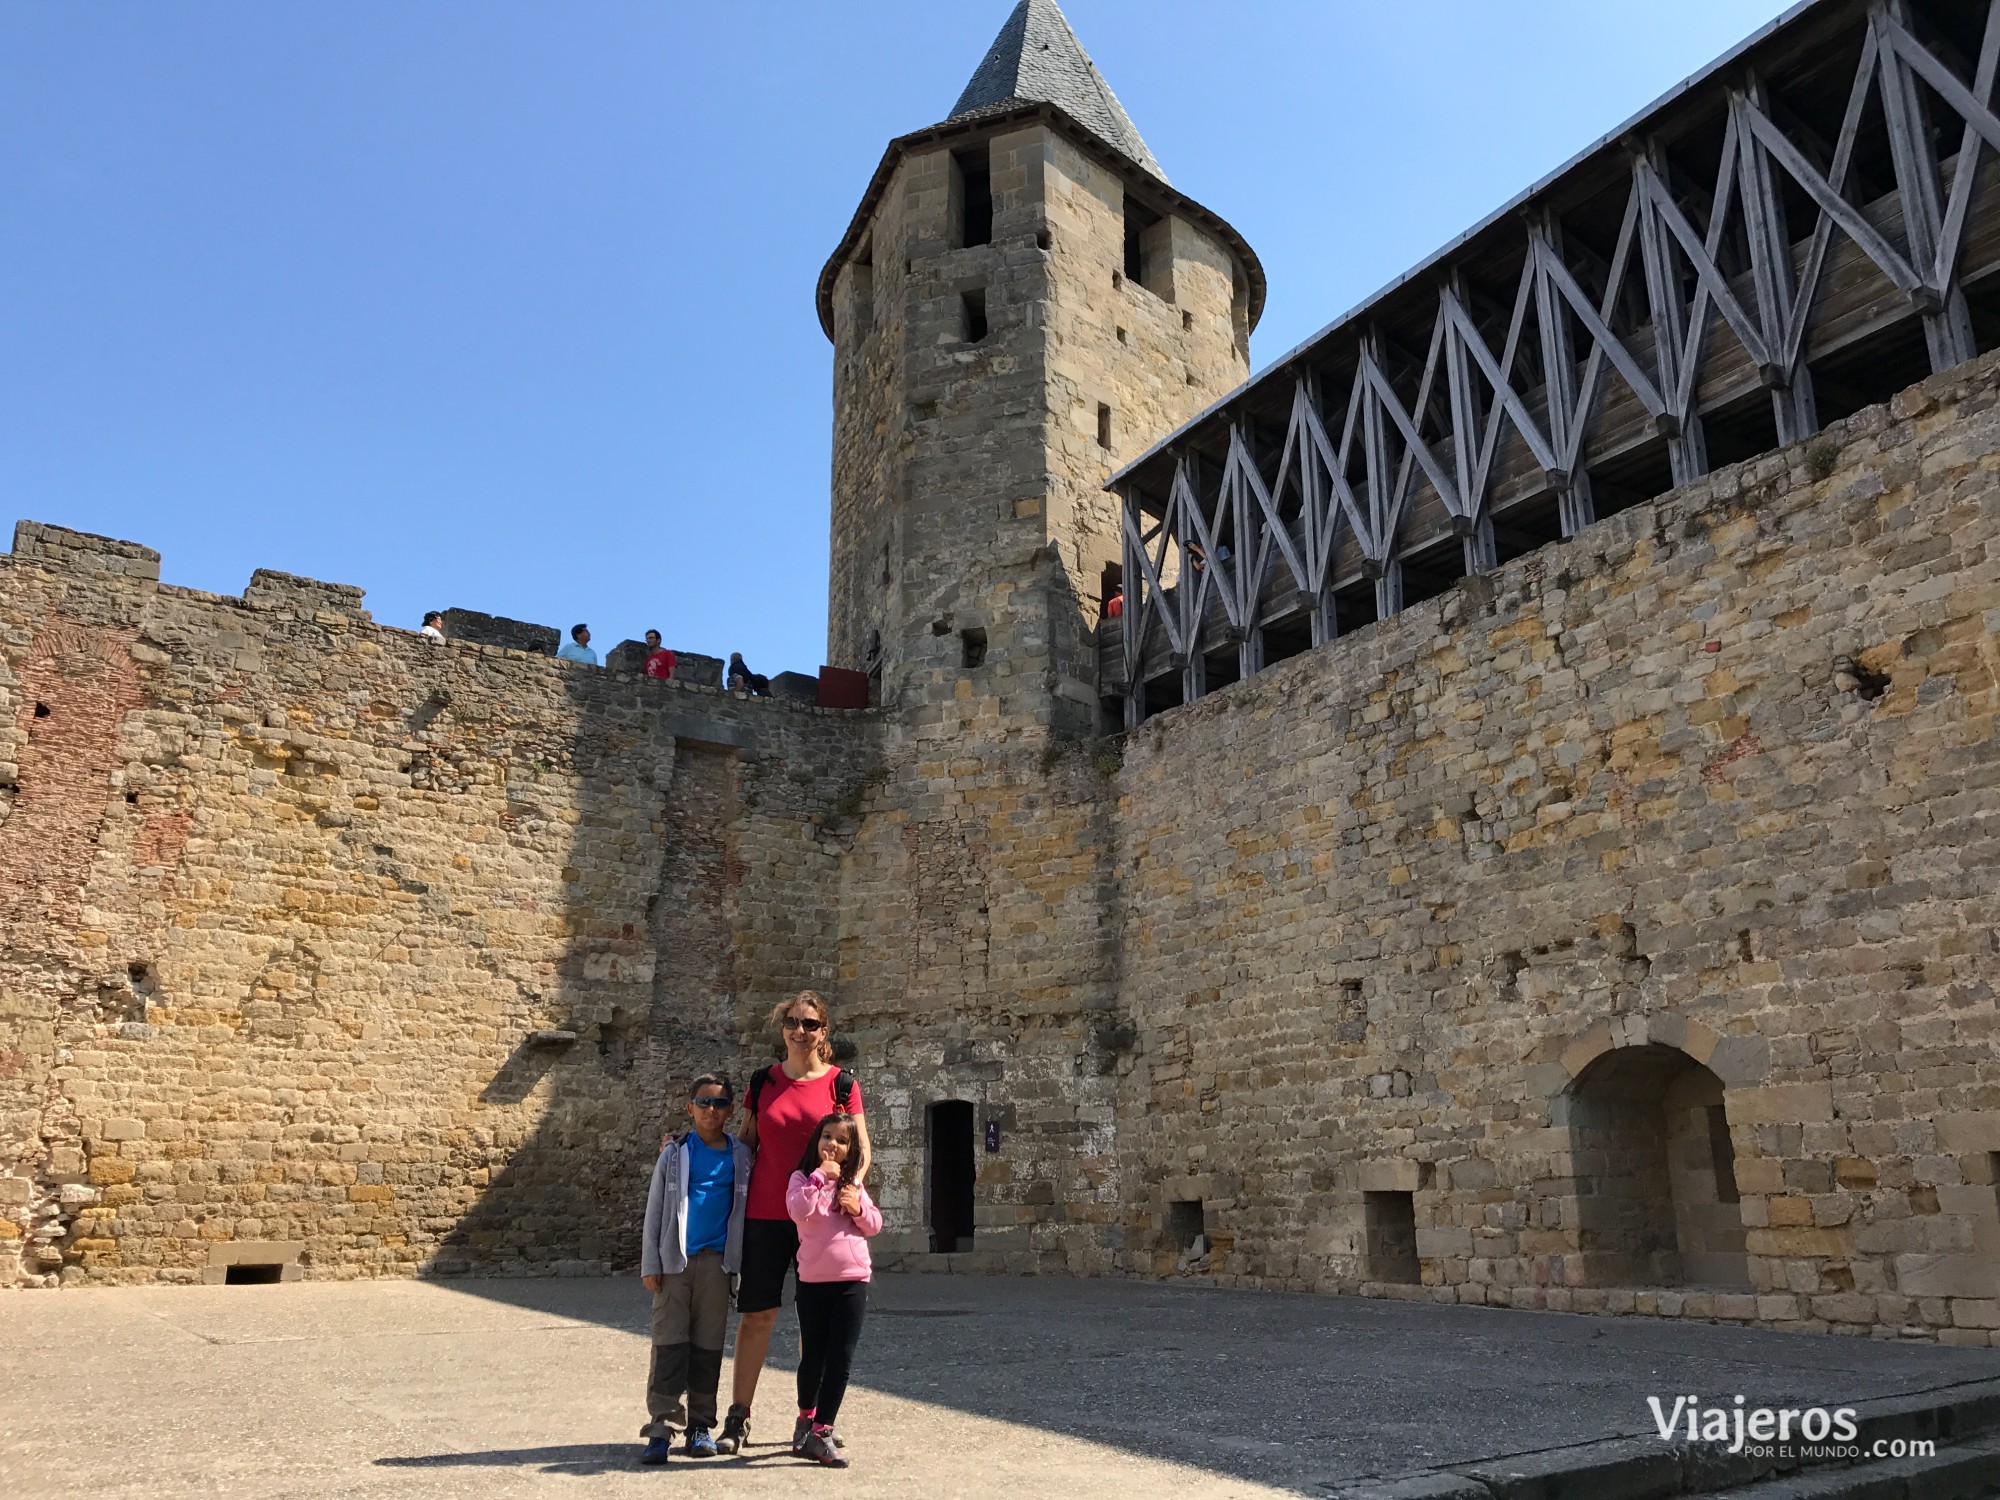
(660, 661)
(1114, 607)
(786, 1103)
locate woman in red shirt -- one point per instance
(787, 1102)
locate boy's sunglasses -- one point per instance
(713, 1101)
(795, 1023)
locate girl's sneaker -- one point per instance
(818, 1447)
(803, 1426)
(735, 1434)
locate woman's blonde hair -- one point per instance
(811, 1000)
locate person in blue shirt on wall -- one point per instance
(577, 647)
(690, 1256)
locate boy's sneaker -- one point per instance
(700, 1444)
(818, 1447)
(735, 1434)
(659, 1448)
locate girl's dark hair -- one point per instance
(809, 1163)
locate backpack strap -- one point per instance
(757, 1081)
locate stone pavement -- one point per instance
(968, 1387)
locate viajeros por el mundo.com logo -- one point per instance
(1790, 1432)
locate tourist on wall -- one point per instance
(742, 680)
(835, 1218)
(786, 1103)
(433, 626)
(577, 647)
(691, 1251)
(659, 660)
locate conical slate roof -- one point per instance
(1037, 59)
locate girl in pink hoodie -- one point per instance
(835, 1216)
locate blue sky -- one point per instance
(509, 305)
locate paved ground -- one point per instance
(969, 1387)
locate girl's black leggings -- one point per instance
(830, 1314)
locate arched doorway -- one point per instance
(949, 1166)
(1655, 1173)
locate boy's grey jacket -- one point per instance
(665, 1246)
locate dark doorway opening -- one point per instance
(253, 1275)
(948, 1133)
(1655, 1170)
(1389, 1238)
(1185, 1223)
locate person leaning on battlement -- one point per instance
(577, 647)
(690, 1256)
(433, 626)
(742, 680)
(659, 660)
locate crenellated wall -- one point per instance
(325, 944)
(1489, 913)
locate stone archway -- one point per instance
(1654, 1172)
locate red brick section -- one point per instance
(76, 687)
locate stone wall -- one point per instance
(323, 943)
(1393, 912)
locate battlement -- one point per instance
(58, 549)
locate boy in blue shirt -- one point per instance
(692, 1252)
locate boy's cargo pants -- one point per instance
(690, 1322)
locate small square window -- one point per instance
(1123, 338)
(973, 308)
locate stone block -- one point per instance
(1947, 1276)
(255, 1252)
(1974, 1130)
(1393, 1176)
(1786, 1103)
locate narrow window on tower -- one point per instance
(1149, 249)
(864, 291)
(975, 197)
(1103, 426)
(973, 310)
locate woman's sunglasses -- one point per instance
(796, 1023)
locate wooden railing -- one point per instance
(1793, 234)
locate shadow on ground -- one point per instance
(1292, 1389)
(564, 1458)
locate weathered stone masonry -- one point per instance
(1392, 906)
(327, 945)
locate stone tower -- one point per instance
(1020, 304)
